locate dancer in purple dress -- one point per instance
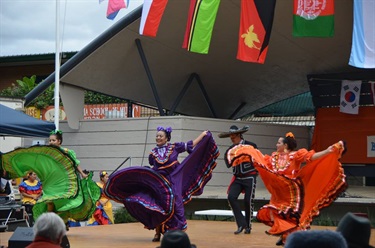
(156, 196)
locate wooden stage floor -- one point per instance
(204, 234)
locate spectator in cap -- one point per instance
(356, 230)
(315, 238)
(243, 181)
(176, 239)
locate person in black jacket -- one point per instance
(244, 180)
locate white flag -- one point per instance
(349, 100)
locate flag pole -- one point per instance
(57, 66)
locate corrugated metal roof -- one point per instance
(298, 110)
(35, 58)
(294, 106)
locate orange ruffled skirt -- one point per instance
(295, 201)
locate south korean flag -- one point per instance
(349, 100)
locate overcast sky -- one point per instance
(29, 26)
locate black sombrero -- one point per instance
(233, 130)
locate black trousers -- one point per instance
(248, 185)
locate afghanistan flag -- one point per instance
(314, 18)
(152, 12)
(255, 29)
(200, 23)
(363, 39)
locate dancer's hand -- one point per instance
(331, 149)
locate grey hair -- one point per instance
(50, 226)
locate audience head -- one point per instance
(50, 226)
(290, 141)
(176, 239)
(55, 137)
(315, 238)
(356, 230)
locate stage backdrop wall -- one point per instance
(357, 130)
(103, 144)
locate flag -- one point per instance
(313, 18)
(255, 29)
(349, 98)
(363, 39)
(372, 87)
(114, 7)
(199, 26)
(152, 12)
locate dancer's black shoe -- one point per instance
(156, 238)
(248, 230)
(239, 230)
(280, 242)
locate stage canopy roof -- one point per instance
(19, 124)
(159, 72)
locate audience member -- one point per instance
(356, 230)
(49, 231)
(315, 238)
(31, 190)
(176, 239)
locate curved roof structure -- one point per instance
(159, 72)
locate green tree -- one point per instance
(22, 87)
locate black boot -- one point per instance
(239, 230)
(280, 242)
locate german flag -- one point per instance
(255, 29)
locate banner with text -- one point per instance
(370, 146)
(91, 111)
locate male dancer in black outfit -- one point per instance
(244, 180)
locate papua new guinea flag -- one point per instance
(255, 29)
(313, 18)
(199, 26)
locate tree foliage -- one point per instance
(22, 87)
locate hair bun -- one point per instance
(290, 134)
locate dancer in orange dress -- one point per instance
(297, 192)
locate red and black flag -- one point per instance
(255, 29)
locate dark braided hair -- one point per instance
(58, 134)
